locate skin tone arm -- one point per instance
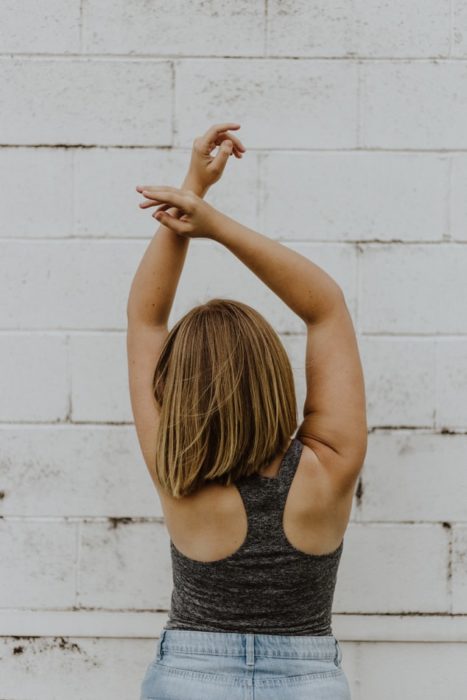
(155, 282)
(334, 424)
(154, 285)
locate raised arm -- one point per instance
(155, 283)
(334, 423)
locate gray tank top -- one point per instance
(267, 586)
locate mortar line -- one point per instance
(436, 380)
(380, 335)
(72, 203)
(359, 105)
(451, 28)
(173, 104)
(259, 191)
(422, 152)
(69, 379)
(147, 57)
(349, 243)
(448, 201)
(358, 283)
(81, 33)
(77, 562)
(450, 571)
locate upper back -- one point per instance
(212, 523)
(260, 560)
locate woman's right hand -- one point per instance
(193, 218)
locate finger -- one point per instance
(222, 156)
(140, 188)
(148, 203)
(219, 128)
(238, 148)
(218, 133)
(221, 135)
(173, 223)
(167, 195)
(149, 188)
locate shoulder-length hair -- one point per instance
(225, 389)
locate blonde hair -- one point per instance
(226, 393)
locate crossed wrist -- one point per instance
(196, 187)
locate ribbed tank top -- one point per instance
(266, 586)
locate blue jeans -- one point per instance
(196, 665)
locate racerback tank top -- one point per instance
(266, 586)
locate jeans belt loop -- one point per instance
(338, 655)
(159, 645)
(250, 649)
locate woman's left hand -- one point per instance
(205, 169)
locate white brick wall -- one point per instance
(354, 115)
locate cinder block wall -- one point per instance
(354, 115)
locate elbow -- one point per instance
(335, 296)
(333, 302)
(338, 302)
(339, 295)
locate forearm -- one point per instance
(301, 284)
(156, 279)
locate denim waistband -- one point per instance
(249, 645)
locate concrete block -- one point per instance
(458, 198)
(99, 378)
(354, 196)
(124, 565)
(451, 381)
(399, 381)
(36, 186)
(459, 565)
(86, 102)
(357, 27)
(38, 564)
(459, 29)
(399, 29)
(413, 476)
(412, 289)
(279, 103)
(81, 667)
(35, 383)
(420, 671)
(52, 26)
(75, 283)
(185, 28)
(415, 105)
(393, 568)
(74, 470)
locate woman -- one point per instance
(256, 511)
